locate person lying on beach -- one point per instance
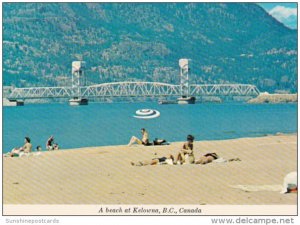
(156, 161)
(144, 141)
(186, 154)
(25, 149)
(213, 157)
(207, 158)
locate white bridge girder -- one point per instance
(224, 90)
(133, 89)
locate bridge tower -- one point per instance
(184, 83)
(77, 80)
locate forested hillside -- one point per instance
(227, 43)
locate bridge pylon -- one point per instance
(77, 81)
(184, 83)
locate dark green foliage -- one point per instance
(228, 43)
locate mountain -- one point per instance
(227, 43)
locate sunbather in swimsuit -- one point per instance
(144, 141)
(207, 158)
(156, 161)
(186, 154)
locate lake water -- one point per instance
(99, 124)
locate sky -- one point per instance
(286, 13)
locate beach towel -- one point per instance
(253, 188)
(222, 160)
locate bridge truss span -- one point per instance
(40, 92)
(133, 89)
(223, 90)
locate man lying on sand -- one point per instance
(156, 161)
(207, 158)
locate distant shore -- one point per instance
(275, 98)
(262, 98)
(104, 175)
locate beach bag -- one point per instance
(157, 141)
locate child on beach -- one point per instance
(144, 141)
(55, 146)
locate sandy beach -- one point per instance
(104, 175)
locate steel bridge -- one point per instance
(133, 89)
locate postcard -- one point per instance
(149, 109)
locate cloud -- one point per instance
(286, 15)
(283, 13)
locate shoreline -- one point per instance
(177, 141)
(265, 98)
(181, 142)
(103, 175)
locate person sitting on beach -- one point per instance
(25, 149)
(38, 150)
(207, 158)
(156, 161)
(186, 154)
(290, 183)
(144, 141)
(49, 143)
(55, 146)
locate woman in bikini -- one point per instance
(207, 158)
(186, 154)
